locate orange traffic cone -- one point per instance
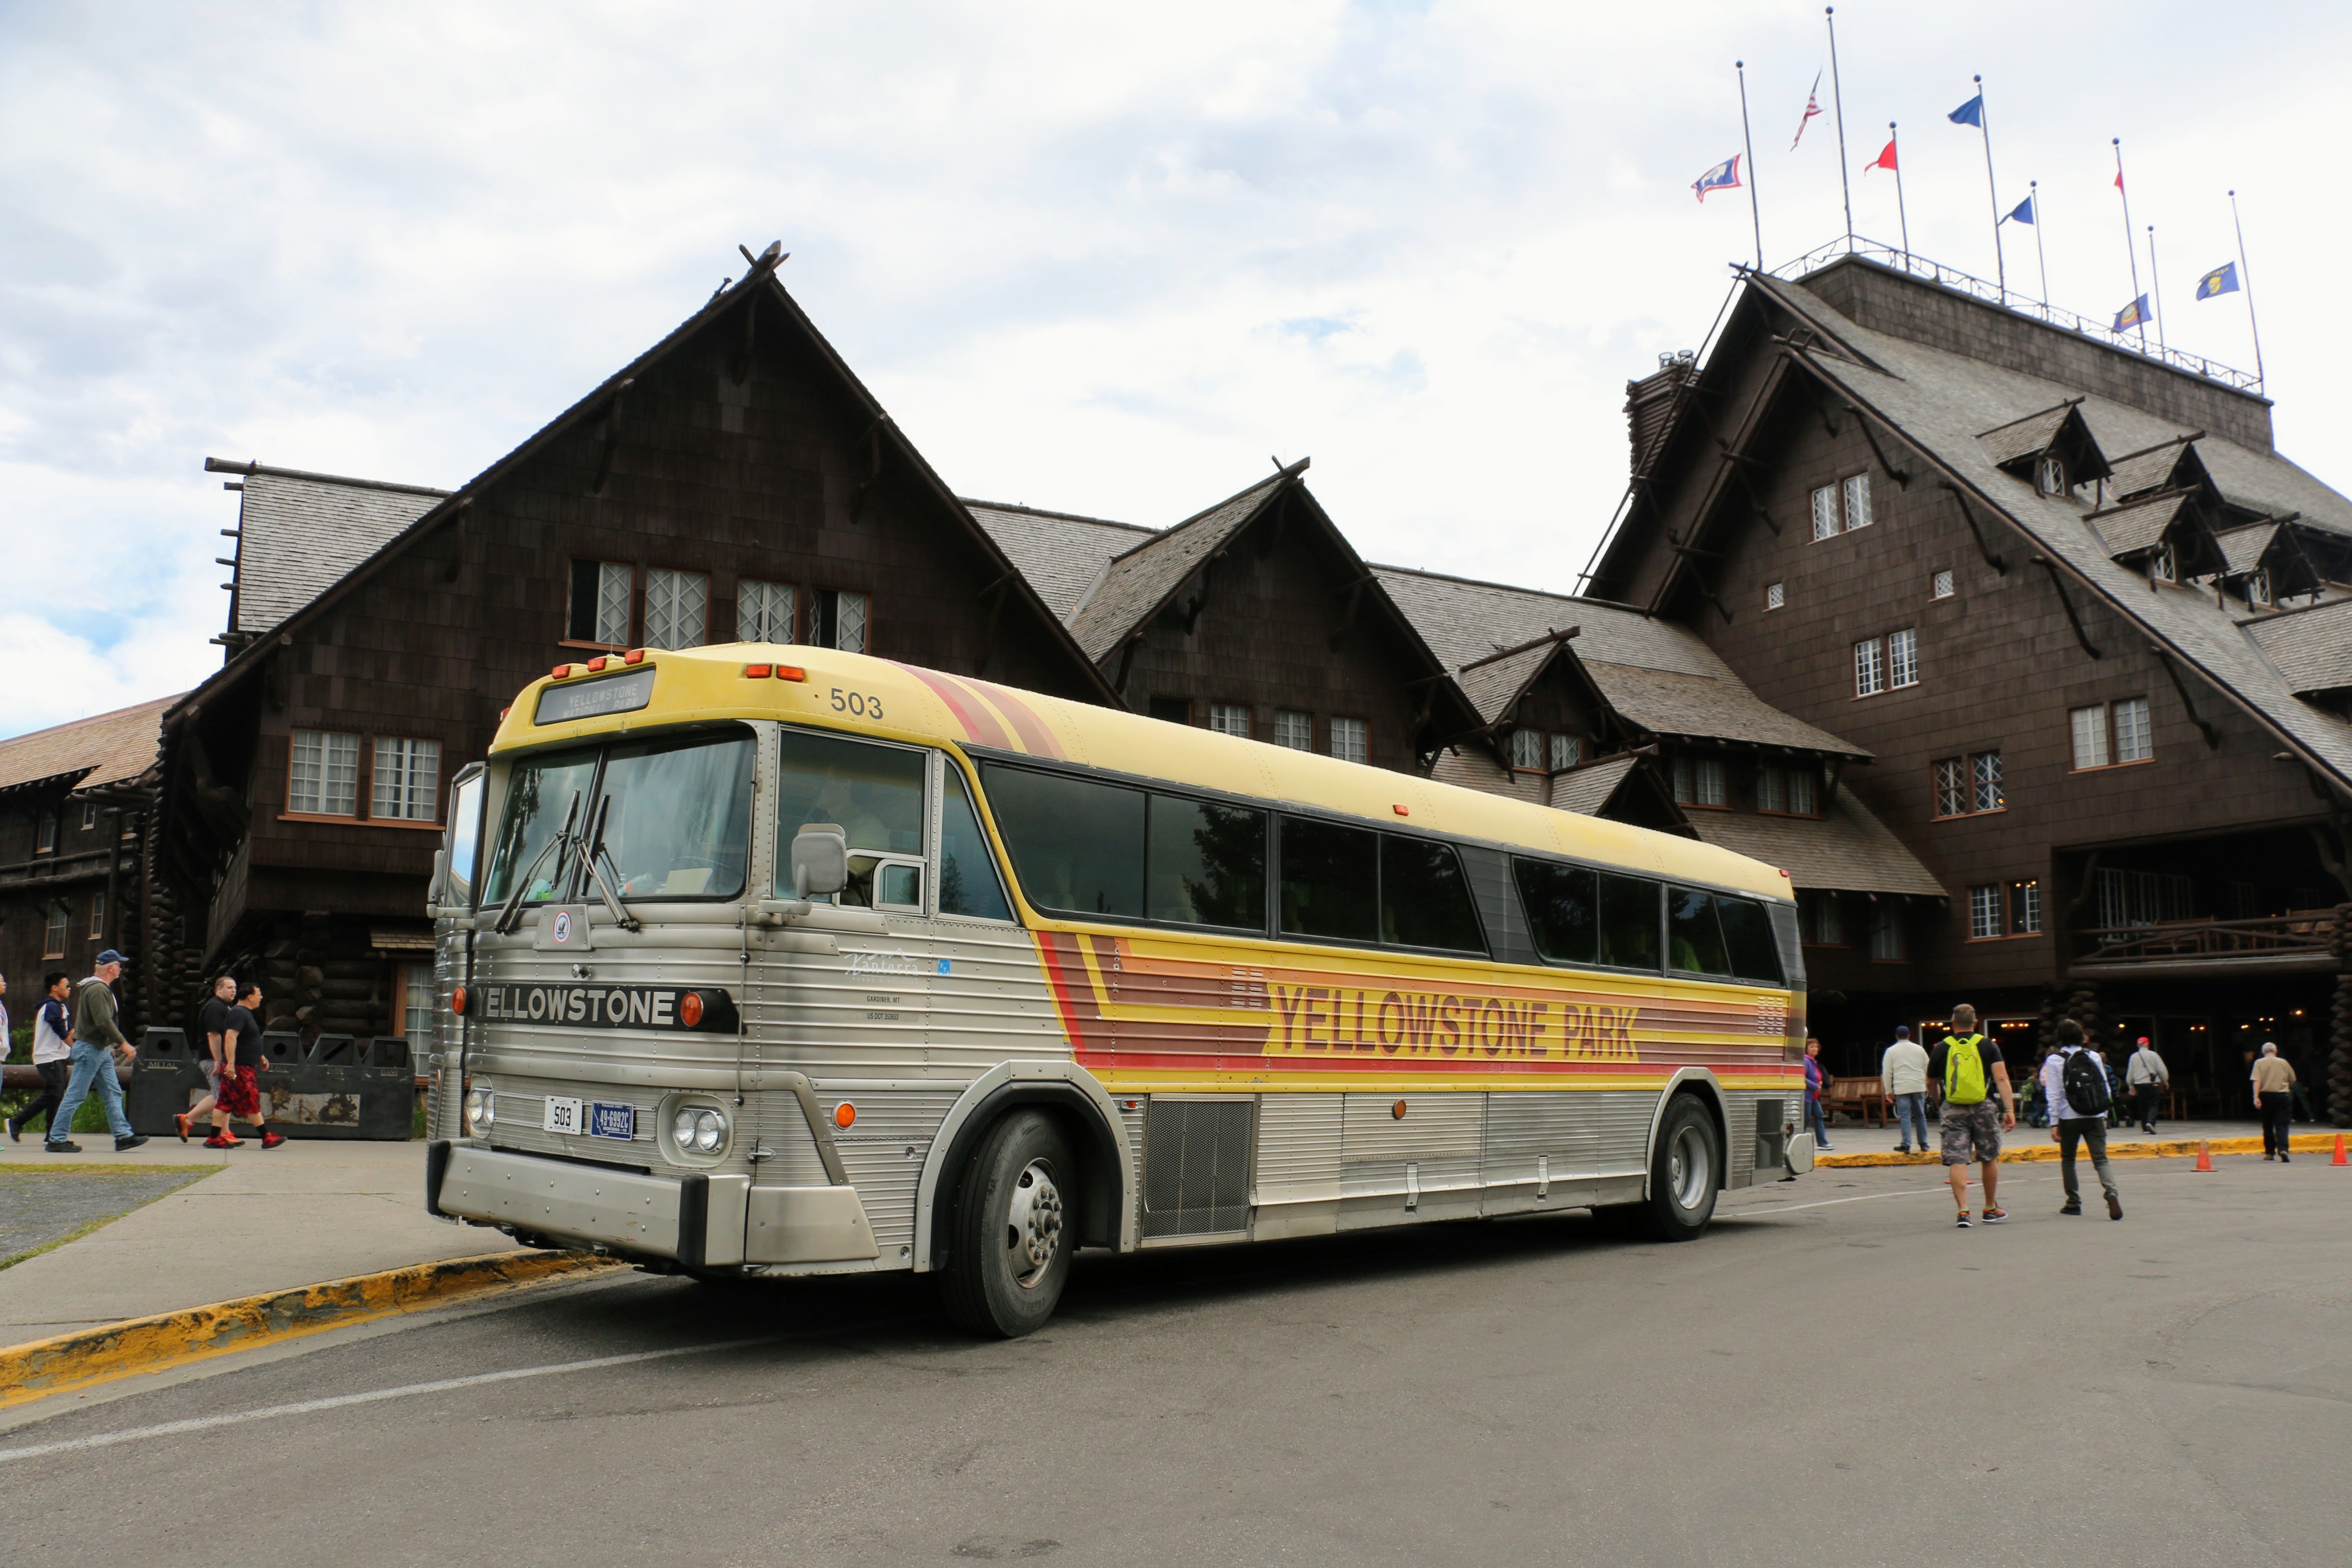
(2339, 1159)
(2204, 1155)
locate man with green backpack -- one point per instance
(1967, 1068)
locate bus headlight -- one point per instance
(481, 1107)
(698, 1130)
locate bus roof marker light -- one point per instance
(559, 672)
(757, 671)
(634, 656)
(1399, 810)
(596, 664)
(790, 672)
(845, 1114)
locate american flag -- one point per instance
(1812, 107)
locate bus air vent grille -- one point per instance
(1196, 1166)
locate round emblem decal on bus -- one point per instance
(563, 925)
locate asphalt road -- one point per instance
(1833, 1375)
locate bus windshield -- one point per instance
(679, 825)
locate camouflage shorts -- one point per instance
(1972, 1132)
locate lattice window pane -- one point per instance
(1347, 742)
(1775, 596)
(1857, 503)
(1985, 773)
(1984, 910)
(611, 601)
(1825, 513)
(408, 779)
(1869, 669)
(2134, 741)
(1903, 658)
(1951, 793)
(1527, 749)
(849, 622)
(677, 606)
(764, 612)
(1229, 719)
(1293, 729)
(1939, 586)
(324, 779)
(1567, 752)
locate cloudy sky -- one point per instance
(1107, 259)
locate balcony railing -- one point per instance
(2136, 341)
(2276, 936)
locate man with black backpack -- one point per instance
(2081, 1093)
(1969, 1068)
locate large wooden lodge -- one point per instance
(2025, 653)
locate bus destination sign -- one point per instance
(592, 1006)
(594, 698)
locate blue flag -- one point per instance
(2222, 279)
(2132, 315)
(1969, 113)
(2023, 213)
(1724, 176)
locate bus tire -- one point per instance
(1685, 1174)
(1012, 1234)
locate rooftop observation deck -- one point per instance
(2137, 340)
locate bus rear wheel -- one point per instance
(1011, 1235)
(1686, 1175)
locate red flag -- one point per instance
(1886, 159)
(2119, 179)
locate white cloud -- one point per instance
(1069, 245)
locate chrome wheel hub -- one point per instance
(1690, 1167)
(1032, 1226)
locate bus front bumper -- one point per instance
(698, 1220)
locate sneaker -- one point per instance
(181, 1122)
(1994, 1216)
(121, 1144)
(1826, 1148)
(2282, 1159)
(2114, 1206)
(1964, 1219)
(1902, 1148)
(217, 1141)
(62, 1148)
(2071, 1205)
(15, 1133)
(271, 1140)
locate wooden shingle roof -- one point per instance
(1844, 850)
(89, 753)
(301, 532)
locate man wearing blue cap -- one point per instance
(98, 1040)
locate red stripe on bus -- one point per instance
(979, 724)
(1054, 961)
(1035, 736)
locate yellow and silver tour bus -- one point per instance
(783, 961)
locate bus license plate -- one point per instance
(562, 1115)
(613, 1121)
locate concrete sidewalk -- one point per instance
(264, 1220)
(1846, 1137)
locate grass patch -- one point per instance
(51, 1205)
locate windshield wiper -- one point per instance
(514, 899)
(590, 850)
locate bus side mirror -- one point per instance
(440, 882)
(820, 859)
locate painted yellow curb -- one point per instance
(40, 1368)
(2300, 1143)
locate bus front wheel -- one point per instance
(1011, 1235)
(1685, 1174)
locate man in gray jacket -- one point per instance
(2071, 1123)
(1904, 1069)
(98, 1040)
(2146, 1076)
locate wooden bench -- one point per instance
(1864, 1097)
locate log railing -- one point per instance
(2305, 931)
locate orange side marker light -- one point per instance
(689, 1009)
(844, 1114)
(1397, 1110)
(458, 1001)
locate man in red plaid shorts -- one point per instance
(239, 1094)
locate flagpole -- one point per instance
(2033, 194)
(2131, 250)
(2246, 276)
(1837, 98)
(2155, 288)
(1992, 195)
(1900, 216)
(1748, 141)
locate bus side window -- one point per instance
(1207, 864)
(1077, 846)
(1747, 935)
(1562, 911)
(1331, 880)
(968, 884)
(875, 793)
(1629, 922)
(1425, 899)
(1697, 940)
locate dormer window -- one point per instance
(2164, 563)
(2050, 475)
(2258, 589)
